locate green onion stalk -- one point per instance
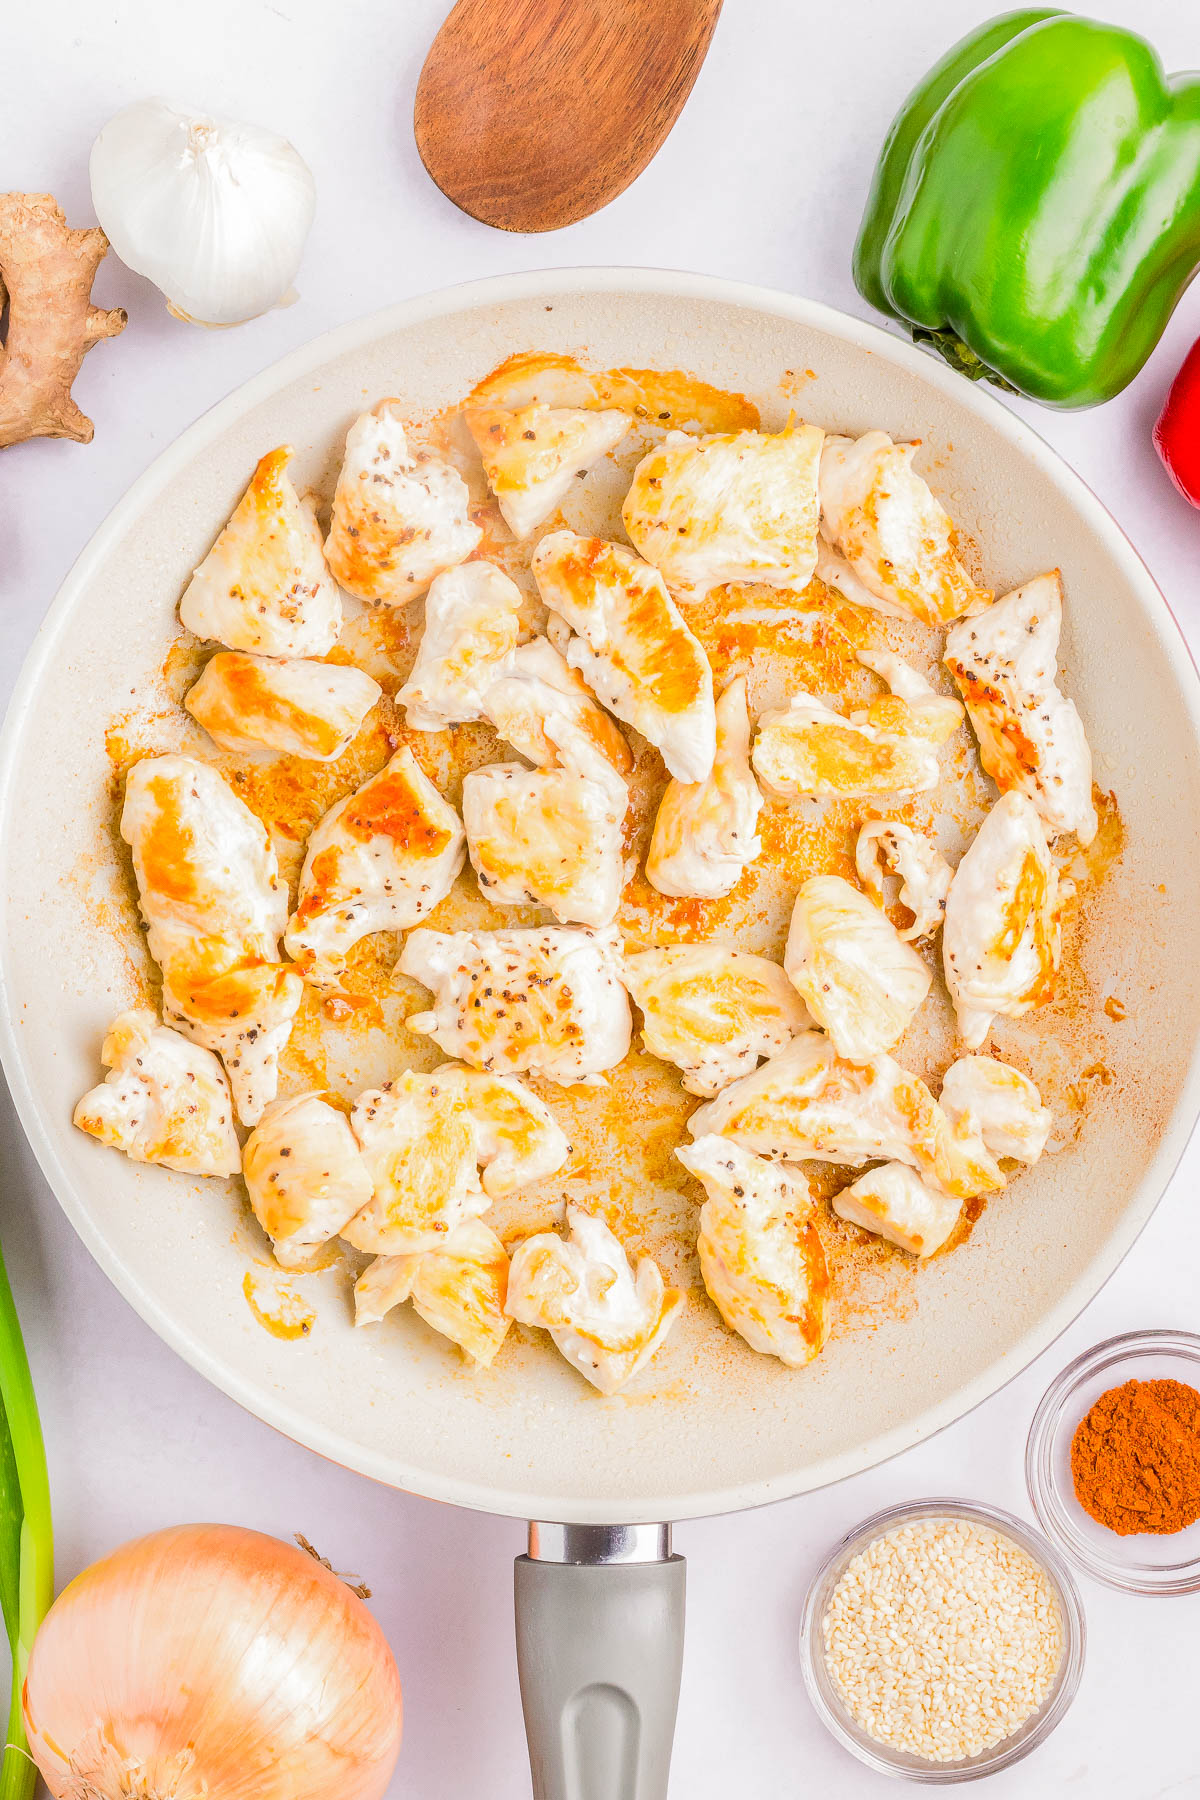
(26, 1538)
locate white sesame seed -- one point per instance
(942, 1665)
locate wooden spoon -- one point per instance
(531, 114)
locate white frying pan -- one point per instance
(711, 1428)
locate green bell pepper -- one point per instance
(26, 1542)
(1035, 212)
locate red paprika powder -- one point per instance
(1135, 1458)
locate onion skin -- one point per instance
(208, 1660)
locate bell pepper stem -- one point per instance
(34, 1578)
(960, 356)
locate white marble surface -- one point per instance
(763, 180)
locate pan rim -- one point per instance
(259, 1399)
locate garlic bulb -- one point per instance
(212, 212)
(211, 1661)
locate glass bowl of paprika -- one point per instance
(1113, 1462)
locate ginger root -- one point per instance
(47, 270)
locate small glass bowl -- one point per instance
(1142, 1564)
(1028, 1736)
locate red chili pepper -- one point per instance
(1177, 433)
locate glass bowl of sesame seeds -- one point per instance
(942, 1640)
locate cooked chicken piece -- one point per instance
(1030, 735)
(532, 456)
(459, 1289)
(204, 864)
(398, 519)
(897, 1205)
(214, 906)
(417, 1138)
(808, 1102)
(550, 837)
(304, 1176)
(938, 714)
(423, 1140)
(836, 573)
(851, 967)
(308, 709)
(163, 1100)
(741, 506)
(992, 1101)
(264, 586)
(244, 1016)
(1002, 938)
(536, 694)
(761, 1258)
(380, 860)
(924, 874)
(713, 1012)
(471, 628)
(888, 747)
(549, 1001)
(606, 1320)
(632, 646)
(518, 1141)
(879, 515)
(704, 834)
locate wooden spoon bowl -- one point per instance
(531, 114)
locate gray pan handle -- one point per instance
(599, 1652)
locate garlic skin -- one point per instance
(213, 212)
(209, 1661)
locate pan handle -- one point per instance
(599, 1653)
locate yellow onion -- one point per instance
(211, 1663)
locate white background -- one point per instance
(762, 180)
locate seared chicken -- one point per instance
(713, 1012)
(632, 646)
(459, 1289)
(246, 1017)
(536, 695)
(264, 586)
(1030, 735)
(850, 966)
(880, 516)
(606, 1319)
(531, 456)
(549, 1001)
(424, 1139)
(304, 1176)
(887, 845)
(897, 1205)
(417, 1140)
(214, 906)
(835, 572)
(761, 1258)
(398, 519)
(939, 714)
(471, 628)
(808, 1102)
(1002, 938)
(380, 860)
(992, 1101)
(550, 837)
(737, 507)
(888, 747)
(164, 1100)
(517, 1139)
(704, 834)
(308, 709)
